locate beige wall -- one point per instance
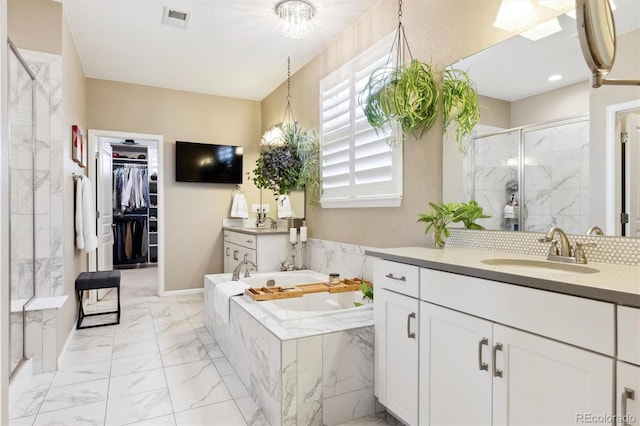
(495, 112)
(193, 211)
(74, 111)
(565, 102)
(627, 66)
(35, 25)
(438, 32)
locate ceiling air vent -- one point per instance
(175, 18)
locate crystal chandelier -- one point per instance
(295, 17)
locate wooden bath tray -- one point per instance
(272, 293)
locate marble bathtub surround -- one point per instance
(310, 371)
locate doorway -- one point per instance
(129, 197)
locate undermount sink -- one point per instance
(533, 265)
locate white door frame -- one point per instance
(611, 157)
(92, 149)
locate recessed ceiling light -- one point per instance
(543, 30)
(515, 14)
(555, 77)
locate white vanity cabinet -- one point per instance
(266, 250)
(489, 352)
(477, 372)
(396, 321)
(628, 367)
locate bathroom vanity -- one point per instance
(462, 338)
(265, 247)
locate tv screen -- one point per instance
(201, 162)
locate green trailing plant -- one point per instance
(290, 163)
(459, 105)
(406, 96)
(442, 214)
(367, 293)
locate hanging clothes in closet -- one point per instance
(130, 187)
(130, 239)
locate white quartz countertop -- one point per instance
(612, 283)
(255, 230)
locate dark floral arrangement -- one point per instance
(291, 162)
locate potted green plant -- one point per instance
(442, 214)
(459, 105)
(407, 95)
(291, 162)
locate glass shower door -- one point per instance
(22, 203)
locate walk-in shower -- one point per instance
(22, 199)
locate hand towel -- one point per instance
(85, 220)
(222, 294)
(284, 207)
(239, 207)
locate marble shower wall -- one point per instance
(346, 259)
(556, 177)
(47, 196)
(554, 188)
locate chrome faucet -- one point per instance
(236, 271)
(594, 230)
(565, 253)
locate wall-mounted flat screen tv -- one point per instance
(201, 162)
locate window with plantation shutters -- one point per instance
(359, 167)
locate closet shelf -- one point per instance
(129, 160)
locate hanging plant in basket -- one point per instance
(404, 95)
(292, 162)
(460, 105)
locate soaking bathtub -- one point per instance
(311, 304)
(305, 359)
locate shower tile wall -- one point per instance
(495, 175)
(556, 183)
(48, 198)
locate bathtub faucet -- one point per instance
(236, 271)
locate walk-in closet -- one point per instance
(127, 183)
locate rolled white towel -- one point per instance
(222, 294)
(239, 207)
(284, 207)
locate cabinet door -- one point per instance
(628, 394)
(396, 331)
(544, 382)
(236, 255)
(455, 368)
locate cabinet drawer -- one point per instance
(580, 322)
(629, 334)
(244, 240)
(398, 277)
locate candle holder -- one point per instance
(290, 263)
(303, 248)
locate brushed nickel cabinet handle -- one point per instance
(410, 334)
(496, 371)
(235, 255)
(392, 277)
(227, 251)
(627, 394)
(482, 365)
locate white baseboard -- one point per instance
(20, 381)
(72, 332)
(182, 292)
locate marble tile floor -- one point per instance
(159, 366)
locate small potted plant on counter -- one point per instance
(442, 214)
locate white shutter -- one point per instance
(359, 168)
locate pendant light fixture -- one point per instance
(275, 134)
